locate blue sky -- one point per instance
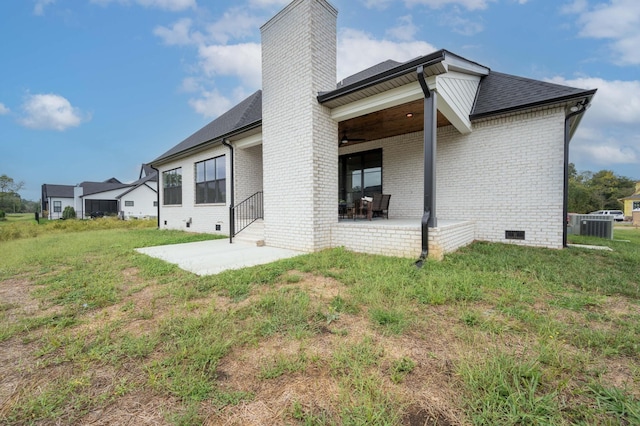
(91, 89)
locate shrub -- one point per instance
(2, 215)
(69, 213)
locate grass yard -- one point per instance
(94, 333)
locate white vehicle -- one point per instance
(618, 216)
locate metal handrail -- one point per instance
(245, 213)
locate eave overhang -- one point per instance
(242, 132)
(434, 64)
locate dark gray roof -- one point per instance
(500, 92)
(95, 187)
(369, 72)
(147, 170)
(57, 191)
(247, 112)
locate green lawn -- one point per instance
(92, 331)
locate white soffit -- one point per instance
(394, 97)
(249, 141)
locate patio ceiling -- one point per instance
(386, 123)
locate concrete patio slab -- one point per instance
(215, 256)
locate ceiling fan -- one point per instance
(344, 139)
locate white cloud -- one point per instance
(358, 50)
(172, 5)
(405, 30)
(463, 26)
(38, 9)
(240, 60)
(178, 34)
(235, 24)
(437, 4)
(51, 112)
(617, 21)
(616, 102)
(211, 104)
(3, 109)
(610, 131)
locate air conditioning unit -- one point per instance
(597, 228)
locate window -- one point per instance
(108, 207)
(172, 186)
(360, 174)
(57, 206)
(128, 203)
(636, 205)
(211, 182)
(155, 204)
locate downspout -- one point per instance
(429, 203)
(581, 108)
(232, 221)
(157, 193)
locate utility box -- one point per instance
(597, 228)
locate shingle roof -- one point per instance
(57, 191)
(500, 92)
(95, 187)
(369, 72)
(247, 112)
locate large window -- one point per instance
(57, 206)
(172, 186)
(108, 207)
(360, 175)
(211, 182)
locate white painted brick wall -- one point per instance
(506, 175)
(248, 172)
(401, 241)
(299, 138)
(204, 217)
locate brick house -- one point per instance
(466, 153)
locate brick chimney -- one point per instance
(299, 138)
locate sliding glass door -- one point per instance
(360, 175)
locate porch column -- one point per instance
(429, 219)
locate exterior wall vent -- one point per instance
(514, 235)
(218, 227)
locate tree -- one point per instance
(602, 190)
(9, 198)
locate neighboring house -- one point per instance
(499, 172)
(111, 197)
(632, 202)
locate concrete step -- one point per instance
(253, 234)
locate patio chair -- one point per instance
(380, 205)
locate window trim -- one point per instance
(219, 183)
(174, 189)
(57, 206)
(128, 203)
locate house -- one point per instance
(111, 197)
(466, 153)
(632, 202)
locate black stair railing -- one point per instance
(245, 213)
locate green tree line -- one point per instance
(10, 199)
(602, 190)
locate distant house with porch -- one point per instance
(110, 197)
(466, 153)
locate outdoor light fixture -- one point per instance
(409, 114)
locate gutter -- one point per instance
(380, 78)
(232, 221)
(220, 138)
(581, 108)
(429, 131)
(157, 192)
